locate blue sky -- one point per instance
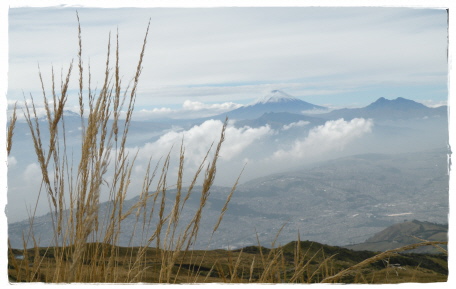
(332, 56)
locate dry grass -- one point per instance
(85, 242)
(378, 257)
(77, 190)
(226, 266)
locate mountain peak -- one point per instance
(398, 103)
(276, 96)
(274, 101)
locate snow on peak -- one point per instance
(276, 96)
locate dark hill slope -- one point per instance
(402, 234)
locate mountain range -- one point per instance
(384, 109)
(278, 108)
(344, 200)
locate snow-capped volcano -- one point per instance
(276, 96)
(274, 101)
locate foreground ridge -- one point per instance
(295, 262)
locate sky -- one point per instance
(211, 60)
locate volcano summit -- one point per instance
(274, 101)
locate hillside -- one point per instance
(402, 234)
(338, 202)
(299, 262)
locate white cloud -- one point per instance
(12, 161)
(199, 138)
(238, 139)
(32, 173)
(333, 135)
(300, 123)
(145, 114)
(190, 109)
(218, 107)
(433, 103)
(39, 108)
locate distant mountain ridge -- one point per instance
(384, 109)
(398, 103)
(279, 107)
(278, 103)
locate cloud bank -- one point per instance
(265, 150)
(333, 135)
(199, 138)
(300, 123)
(190, 109)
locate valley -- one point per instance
(336, 194)
(338, 202)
